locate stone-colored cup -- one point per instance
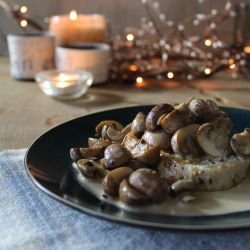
(93, 57)
(30, 54)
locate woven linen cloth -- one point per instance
(30, 219)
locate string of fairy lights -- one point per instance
(161, 48)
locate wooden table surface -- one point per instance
(26, 113)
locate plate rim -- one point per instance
(135, 222)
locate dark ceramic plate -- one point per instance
(48, 163)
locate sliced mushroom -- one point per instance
(135, 145)
(114, 135)
(127, 129)
(214, 139)
(104, 132)
(150, 157)
(155, 113)
(161, 118)
(157, 138)
(173, 121)
(98, 143)
(109, 123)
(138, 125)
(116, 155)
(182, 186)
(130, 196)
(148, 182)
(86, 153)
(184, 142)
(90, 168)
(240, 143)
(112, 180)
(223, 121)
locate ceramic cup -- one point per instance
(93, 57)
(30, 54)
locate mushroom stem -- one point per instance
(182, 186)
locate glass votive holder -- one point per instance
(64, 85)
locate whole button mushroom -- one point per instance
(112, 180)
(129, 196)
(147, 182)
(155, 113)
(116, 155)
(240, 143)
(184, 142)
(158, 138)
(138, 125)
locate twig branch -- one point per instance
(12, 12)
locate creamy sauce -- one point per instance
(236, 199)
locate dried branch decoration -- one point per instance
(20, 15)
(163, 49)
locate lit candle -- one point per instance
(64, 85)
(64, 81)
(74, 28)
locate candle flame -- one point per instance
(62, 77)
(23, 23)
(73, 15)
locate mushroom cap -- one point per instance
(148, 182)
(150, 157)
(112, 180)
(116, 155)
(155, 113)
(130, 196)
(173, 121)
(138, 125)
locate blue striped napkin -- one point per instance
(29, 219)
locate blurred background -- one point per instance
(120, 13)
